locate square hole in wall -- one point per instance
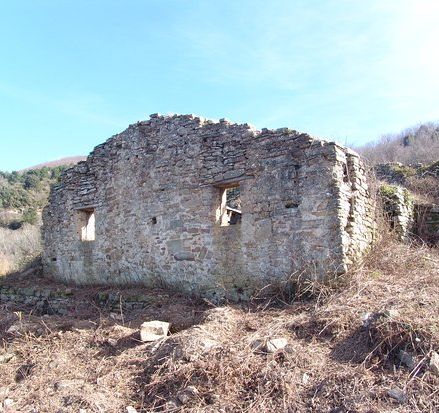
(86, 224)
(229, 212)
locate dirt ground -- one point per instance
(363, 344)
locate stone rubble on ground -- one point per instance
(397, 394)
(154, 330)
(171, 406)
(4, 392)
(69, 384)
(305, 378)
(116, 316)
(269, 345)
(407, 359)
(276, 344)
(7, 404)
(112, 342)
(434, 363)
(6, 358)
(369, 318)
(188, 394)
(24, 327)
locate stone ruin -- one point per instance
(411, 217)
(208, 208)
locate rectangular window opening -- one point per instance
(229, 212)
(86, 224)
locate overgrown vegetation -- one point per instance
(22, 196)
(343, 353)
(18, 248)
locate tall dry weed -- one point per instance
(18, 248)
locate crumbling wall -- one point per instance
(155, 193)
(399, 208)
(356, 205)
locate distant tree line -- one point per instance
(419, 144)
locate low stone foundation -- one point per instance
(65, 301)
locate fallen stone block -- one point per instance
(276, 344)
(188, 394)
(407, 359)
(6, 358)
(397, 394)
(434, 363)
(154, 330)
(269, 346)
(25, 327)
(69, 384)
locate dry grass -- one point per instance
(18, 248)
(212, 363)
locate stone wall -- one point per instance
(356, 205)
(153, 195)
(399, 208)
(64, 301)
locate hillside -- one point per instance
(21, 191)
(365, 344)
(418, 144)
(29, 188)
(22, 196)
(70, 160)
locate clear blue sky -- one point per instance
(75, 72)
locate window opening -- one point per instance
(86, 224)
(230, 209)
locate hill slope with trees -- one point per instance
(418, 144)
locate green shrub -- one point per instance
(30, 216)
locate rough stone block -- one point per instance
(154, 330)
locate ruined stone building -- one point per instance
(209, 208)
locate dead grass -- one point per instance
(214, 363)
(18, 247)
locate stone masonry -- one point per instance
(149, 207)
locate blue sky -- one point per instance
(75, 72)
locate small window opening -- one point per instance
(154, 220)
(230, 209)
(86, 224)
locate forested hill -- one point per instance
(71, 160)
(24, 194)
(418, 144)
